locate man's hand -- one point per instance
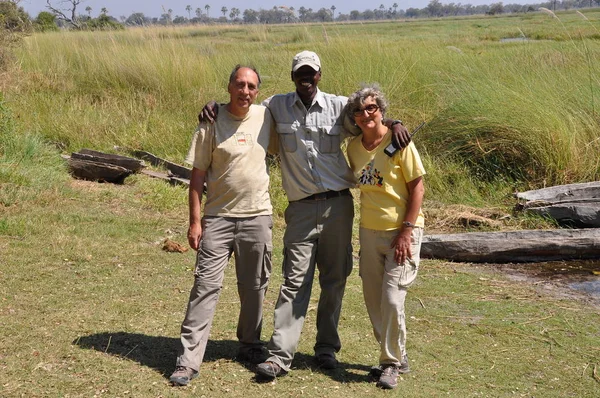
(195, 235)
(209, 112)
(400, 136)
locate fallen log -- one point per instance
(132, 164)
(586, 190)
(175, 169)
(579, 215)
(514, 246)
(165, 177)
(97, 171)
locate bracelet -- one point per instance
(397, 121)
(408, 224)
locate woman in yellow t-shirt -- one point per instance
(391, 227)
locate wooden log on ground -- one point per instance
(580, 215)
(543, 203)
(175, 169)
(132, 164)
(97, 171)
(165, 177)
(586, 190)
(514, 246)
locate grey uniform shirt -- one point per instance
(309, 143)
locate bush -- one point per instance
(14, 24)
(45, 22)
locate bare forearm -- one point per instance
(195, 195)
(415, 200)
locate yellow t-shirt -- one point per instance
(383, 183)
(233, 152)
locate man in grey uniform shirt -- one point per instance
(316, 178)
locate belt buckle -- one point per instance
(321, 196)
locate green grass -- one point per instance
(516, 114)
(91, 306)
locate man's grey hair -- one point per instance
(357, 99)
(240, 66)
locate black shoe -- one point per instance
(270, 370)
(253, 355)
(182, 376)
(326, 361)
(376, 372)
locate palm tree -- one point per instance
(207, 7)
(198, 12)
(89, 11)
(103, 10)
(394, 6)
(188, 8)
(332, 12)
(224, 11)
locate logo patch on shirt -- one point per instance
(243, 139)
(370, 175)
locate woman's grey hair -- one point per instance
(357, 99)
(240, 66)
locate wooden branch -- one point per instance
(61, 15)
(165, 177)
(175, 169)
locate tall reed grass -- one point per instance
(514, 114)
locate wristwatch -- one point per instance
(408, 224)
(397, 121)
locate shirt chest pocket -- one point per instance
(329, 139)
(287, 137)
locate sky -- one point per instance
(154, 8)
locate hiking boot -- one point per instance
(253, 355)
(182, 376)
(389, 377)
(326, 361)
(270, 370)
(377, 370)
(404, 368)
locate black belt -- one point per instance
(328, 195)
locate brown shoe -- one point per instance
(270, 370)
(182, 376)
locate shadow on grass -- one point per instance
(344, 373)
(160, 353)
(156, 352)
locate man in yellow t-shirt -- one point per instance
(230, 156)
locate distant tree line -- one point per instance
(71, 16)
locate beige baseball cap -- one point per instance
(306, 58)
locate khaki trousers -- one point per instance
(318, 236)
(385, 284)
(250, 240)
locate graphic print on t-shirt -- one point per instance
(370, 175)
(243, 138)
